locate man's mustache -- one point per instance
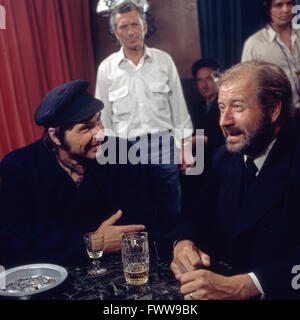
(232, 131)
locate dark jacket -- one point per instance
(43, 214)
(261, 233)
(209, 121)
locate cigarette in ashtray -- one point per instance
(29, 284)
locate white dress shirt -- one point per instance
(259, 162)
(266, 45)
(142, 99)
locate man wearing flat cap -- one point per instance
(53, 191)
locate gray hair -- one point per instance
(124, 7)
(271, 82)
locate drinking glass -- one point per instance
(94, 246)
(135, 257)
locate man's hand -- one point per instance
(187, 257)
(113, 234)
(207, 285)
(186, 155)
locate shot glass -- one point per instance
(94, 253)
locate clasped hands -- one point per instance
(201, 284)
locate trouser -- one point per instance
(159, 176)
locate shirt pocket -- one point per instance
(119, 100)
(160, 92)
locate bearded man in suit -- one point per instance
(247, 215)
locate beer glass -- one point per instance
(135, 257)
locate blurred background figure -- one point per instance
(206, 73)
(205, 115)
(278, 42)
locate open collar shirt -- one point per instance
(266, 45)
(142, 99)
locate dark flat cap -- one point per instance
(66, 104)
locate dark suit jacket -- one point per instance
(261, 233)
(209, 121)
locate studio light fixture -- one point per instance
(104, 7)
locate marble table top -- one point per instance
(111, 285)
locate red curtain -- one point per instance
(45, 43)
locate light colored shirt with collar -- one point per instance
(259, 162)
(142, 99)
(266, 45)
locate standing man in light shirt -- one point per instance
(247, 217)
(278, 42)
(142, 94)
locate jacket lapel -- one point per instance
(231, 193)
(268, 185)
(266, 190)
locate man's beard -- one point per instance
(257, 139)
